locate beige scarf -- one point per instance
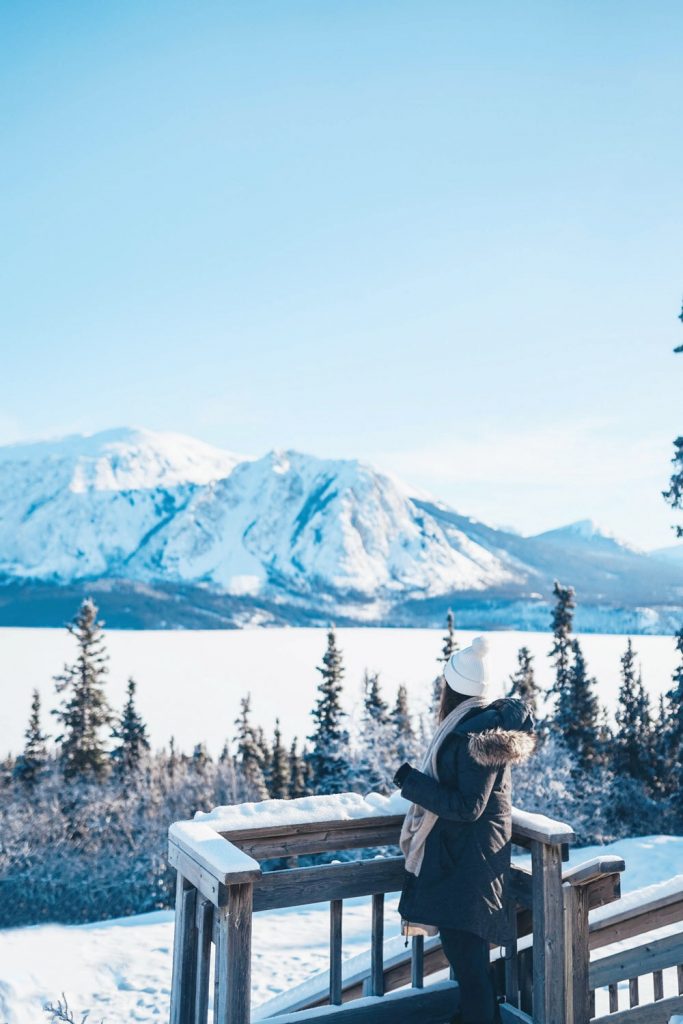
(419, 822)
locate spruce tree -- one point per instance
(279, 773)
(449, 644)
(523, 681)
(327, 760)
(374, 706)
(249, 754)
(297, 772)
(84, 712)
(674, 723)
(633, 740)
(30, 765)
(265, 755)
(581, 731)
(561, 652)
(671, 750)
(404, 732)
(132, 732)
(375, 763)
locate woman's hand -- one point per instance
(402, 773)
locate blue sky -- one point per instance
(445, 237)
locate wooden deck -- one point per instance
(546, 975)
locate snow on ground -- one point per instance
(121, 970)
(180, 674)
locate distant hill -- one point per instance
(169, 532)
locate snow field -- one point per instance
(190, 683)
(121, 970)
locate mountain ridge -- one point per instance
(287, 537)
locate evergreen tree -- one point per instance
(581, 731)
(376, 761)
(201, 759)
(404, 732)
(561, 652)
(374, 706)
(327, 760)
(172, 759)
(265, 755)
(523, 681)
(84, 712)
(279, 774)
(132, 732)
(633, 740)
(674, 724)
(30, 765)
(249, 754)
(297, 772)
(449, 644)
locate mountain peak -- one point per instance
(123, 458)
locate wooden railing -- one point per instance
(221, 884)
(651, 956)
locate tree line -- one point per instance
(84, 817)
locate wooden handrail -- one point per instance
(220, 884)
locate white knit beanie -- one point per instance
(465, 671)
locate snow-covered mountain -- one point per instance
(154, 519)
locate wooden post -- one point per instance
(234, 965)
(417, 958)
(511, 964)
(184, 953)
(204, 928)
(577, 954)
(548, 930)
(336, 952)
(377, 946)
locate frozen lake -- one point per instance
(190, 683)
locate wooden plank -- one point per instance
(234, 966)
(590, 870)
(511, 963)
(336, 907)
(607, 931)
(631, 963)
(526, 984)
(201, 879)
(513, 1015)
(658, 984)
(417, 953)
(647, 1013)
(577, 956)
(377, 946)
(633, 993)
(319, 836)
(548, 929)
(221, 858)
(295, 887)
(204, 929)
(613, 991)
(432, 1005)
(216, 961)
(184, 953)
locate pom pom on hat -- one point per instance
(480, 646)
(465, 671)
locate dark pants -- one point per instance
(468, 955)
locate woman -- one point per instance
(456, 836)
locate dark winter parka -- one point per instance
(467, 854)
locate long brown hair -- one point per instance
(449, 701)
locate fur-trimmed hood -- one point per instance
(500, 734)
(497, 747)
